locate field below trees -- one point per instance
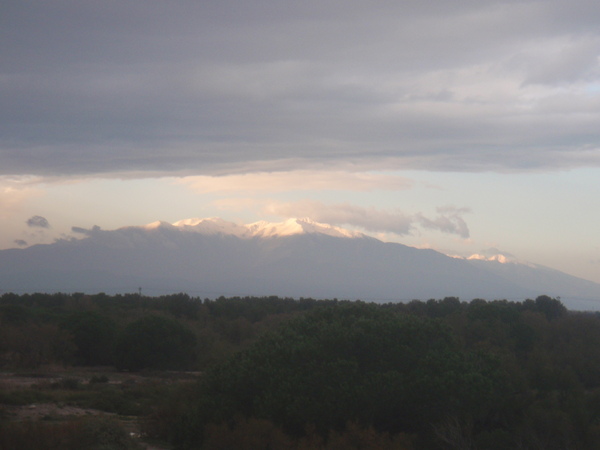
(176, 372)
(104, 401)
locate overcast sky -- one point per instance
(461, 126)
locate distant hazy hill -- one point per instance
(296, 258)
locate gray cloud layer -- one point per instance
(86, 231)
(93, 87)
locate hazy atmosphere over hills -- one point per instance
(453, 126)
(295, 258)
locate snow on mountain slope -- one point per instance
(579, 293)
(298, 226)
(289, 227)
(213, 225)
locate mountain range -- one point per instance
(295, 258)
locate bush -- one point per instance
(93, 335)
(155, 342)
(71, 384)
(98, 379)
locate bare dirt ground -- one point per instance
(49, 410)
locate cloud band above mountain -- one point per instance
(449, 219)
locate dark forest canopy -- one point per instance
(286, 373)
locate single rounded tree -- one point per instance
(155, 342)
(93, 336)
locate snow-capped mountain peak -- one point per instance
(211, 225)
(289, 227)
(503, 259)
(297, 226)
(157, 224)
(495, 255)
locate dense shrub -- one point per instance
(93, 335)
(155, 342)
(98, 433)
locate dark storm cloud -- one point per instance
(37, 222)
(223, 87)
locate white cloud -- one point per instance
(449, 220)
(15, 192)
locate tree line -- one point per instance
(285, 373)
(132, 332)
